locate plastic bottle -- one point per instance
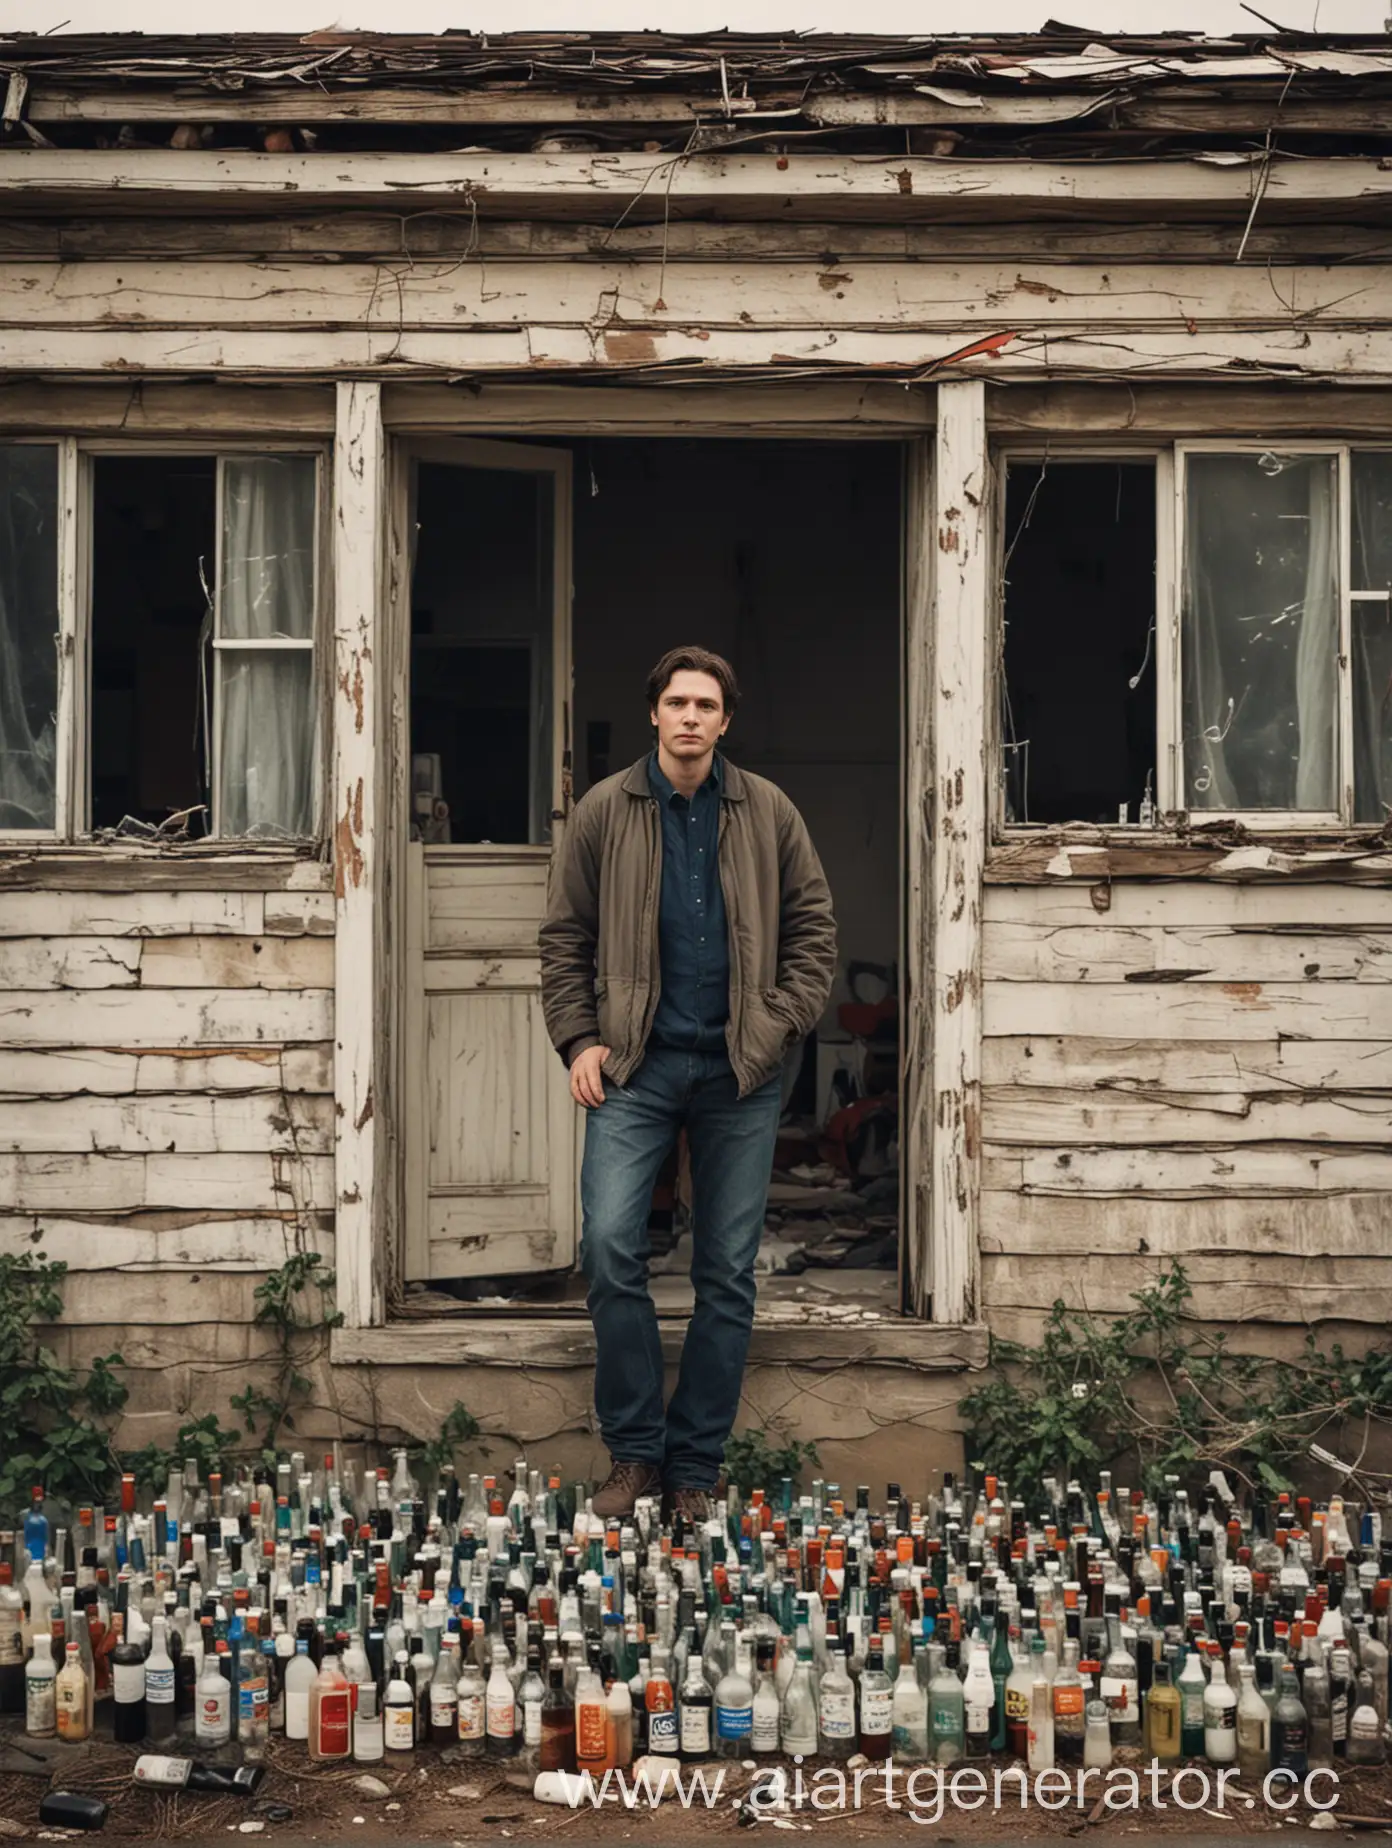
(213, 1715)
(661, 1706)
(1220, 1717)
(300, 1676)
(592, 1724)
(978, 1698)
(1039, 1747)
(330, 1714)
(40, 1704)
(618, 1703)
(12, 1697)
(946, 1709)
(161, 1715)
(1191, 1685)
(71, 1696)
(1097, 1737)
(1163, 1716)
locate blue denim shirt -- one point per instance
(693, 933)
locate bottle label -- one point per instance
(159, 1686)
(1068, 1701)
(40, 1706)
(472, 1718)
(764, 1737)
(297, 1713)
(592, 1732)
(444, 1711)
(1017, 1705)
(1123, 1700)
(946, 1720)
(252, 1700)
(531, 1722)
(336, 1723)
(213, 1719)
(877, 1711)
(11, 1638)
(1338, 1713)
(70, 1710)
(1220, 1719)
(734, 1722)
(662, 1732)
(838, 1713)
(153, 1769)
(399, 1732)
(502, 1718)
(696, 1730)
(128, 1682)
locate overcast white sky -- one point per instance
(905, 16)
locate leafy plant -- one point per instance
(457, 1428)
(203, 1439)
(57, 1421)
(296, 1304)
(1155, 1385)
(759, 1457)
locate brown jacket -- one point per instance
(600, 963)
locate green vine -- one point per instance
(457, 1428)
(57, 1420)
(758, 1458)
(296, 1304)
(1155, 1386)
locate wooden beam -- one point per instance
(1270, 905)
(557, 1341)
(863, 408)
(284, 1124)
(1280, 1173)
(1242, 1287)
(1102, 952)
(960, 538)
(1203, 1011)
(917, 1076)
(109, 869)
(1321, 1226)
(1280, 862)
(164, 1017)
(1131, 412)
(362, 1170)
(894, 187)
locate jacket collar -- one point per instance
(733, 787)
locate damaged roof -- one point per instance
(1168, 83)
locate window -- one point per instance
(197, 713)
(1252, 677)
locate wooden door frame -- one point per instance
(945, 511)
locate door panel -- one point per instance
(492, 1138)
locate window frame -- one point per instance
(1170, 457)
(73, 791)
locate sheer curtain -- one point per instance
(265, 694)
(1372, 635)
(28, 634)
(1260, 634)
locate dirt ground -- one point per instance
(443, 1798)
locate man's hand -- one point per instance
(586, 1078)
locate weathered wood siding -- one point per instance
(166, 1108)
(1197, 1071)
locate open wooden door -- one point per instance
(490, 1134)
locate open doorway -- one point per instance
(785, 557)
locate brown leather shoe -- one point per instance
(613, 1500)
(692, 1505)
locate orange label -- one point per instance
(1068, 1700)
(591, 1732)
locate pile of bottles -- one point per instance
(368, 1621)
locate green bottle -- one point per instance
(1002, 1661)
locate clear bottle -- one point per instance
(71, 1698)
(1097, 1737)
(444, 1696)
(946, 1707)
(1253, 1727)
(767, 1716)
(40, 1676)
(1120, 1687)
(1315, 1696)
(253, 1701)
(734, 1705)
(1290, 1729)
(797, 1723)
(330, 1714)
(836, 1707)
(1019, 1687)
(300, 1676)
(500, 1707)
(399, 1708)
(1069, 1702)
(531, 1698)
(1039, 1738)
(909, 1716)
(1163, 1716)
(660, 1706)
(696, 1705)
(1220, 1717)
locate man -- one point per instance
(688, 945)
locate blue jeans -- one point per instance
(626, 1140)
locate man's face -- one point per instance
(690, 715)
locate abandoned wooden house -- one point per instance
(1015, 413)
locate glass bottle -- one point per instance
(876, 1704)
(1220, 1717)
(1069, 1702)
(531, 1698)
(836, 1713)
(470, 1706)
(500, 1707)
(70, 1697)
(1002, 1661)
(661, 1706)
(1315, 1696)
(978, 1699)
(1039, 1734)
(1019, 1691)
(557, 1721)
(1191, 1685)
(213, 1715)
(1097, 1737)
(591, 1723)
(128, 1687)
(40, 1695)
(1365, 1743)
(1290, 1731)
(161, 1716)
(1163, 1715)
(797, 1722)
(909, 1713)
(1120, 1686)
(399, 1708)
(696, 1701)
(1253, 1727)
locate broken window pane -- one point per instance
(28, 634)
(1260, 633)
(1078, 721)
(1372, 635)
(265, 694)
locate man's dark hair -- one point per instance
(694, 661)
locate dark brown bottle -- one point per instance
(557, 1722)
